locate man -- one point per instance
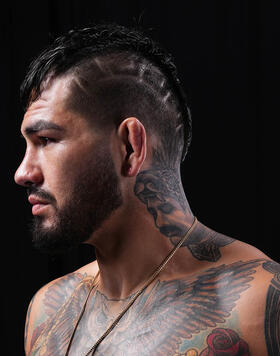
(107, 126)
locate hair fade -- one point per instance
(141, 63)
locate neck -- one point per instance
(142, 233)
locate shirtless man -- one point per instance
(107, 126)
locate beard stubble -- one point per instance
(95, 196)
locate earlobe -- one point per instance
(133, 136)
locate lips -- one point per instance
(38, 204)
(34, 200)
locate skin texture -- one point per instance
(217, 296)
(72, 210)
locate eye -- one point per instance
(45, 140)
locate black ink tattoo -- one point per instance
(272, 311)
(206, 246)
(161, 192)
(27, 321)
(170, 312)
(159, 184)
(62, 304)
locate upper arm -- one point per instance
(260, 311)
(46, 304)
(33, 316)
(27, 328)
(272, 310)
(39, 310)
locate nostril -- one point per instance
(22, 180)
(28, 176)
(28, 183)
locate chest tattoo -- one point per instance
(175, 317)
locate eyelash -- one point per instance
(45, 140)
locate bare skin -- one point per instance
(216, 294)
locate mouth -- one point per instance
(39, 205)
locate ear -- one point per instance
(132, 135)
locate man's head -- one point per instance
(117, 72)
(77, 93)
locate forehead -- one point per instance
(50, 107)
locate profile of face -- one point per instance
(68, 171)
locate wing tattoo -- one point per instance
(63, 302)
(179, 309)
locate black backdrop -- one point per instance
(226, 52)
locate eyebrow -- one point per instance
(41, 125)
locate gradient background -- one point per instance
(227, 53)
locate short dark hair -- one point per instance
(118, 71)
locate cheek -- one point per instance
(63, 173)
(67, 165)
(58, 183)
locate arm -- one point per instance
(35, 319)
(45, 306)
(27, 328)
(262, 314)
(272, 310)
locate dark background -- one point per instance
(227, 54)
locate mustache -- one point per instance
(40, 193)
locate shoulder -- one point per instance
(259, 303)
(259, 309)
(263, 306)
(223, 253)
(50, 298)
(262, 269)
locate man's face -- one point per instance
(68, 171)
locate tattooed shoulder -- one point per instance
(272, 309)
(47, 301)
(259, 310)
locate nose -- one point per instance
(28, 173)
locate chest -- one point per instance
(140, 331)
(177, 317)
(154, 325)
(168, 333)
